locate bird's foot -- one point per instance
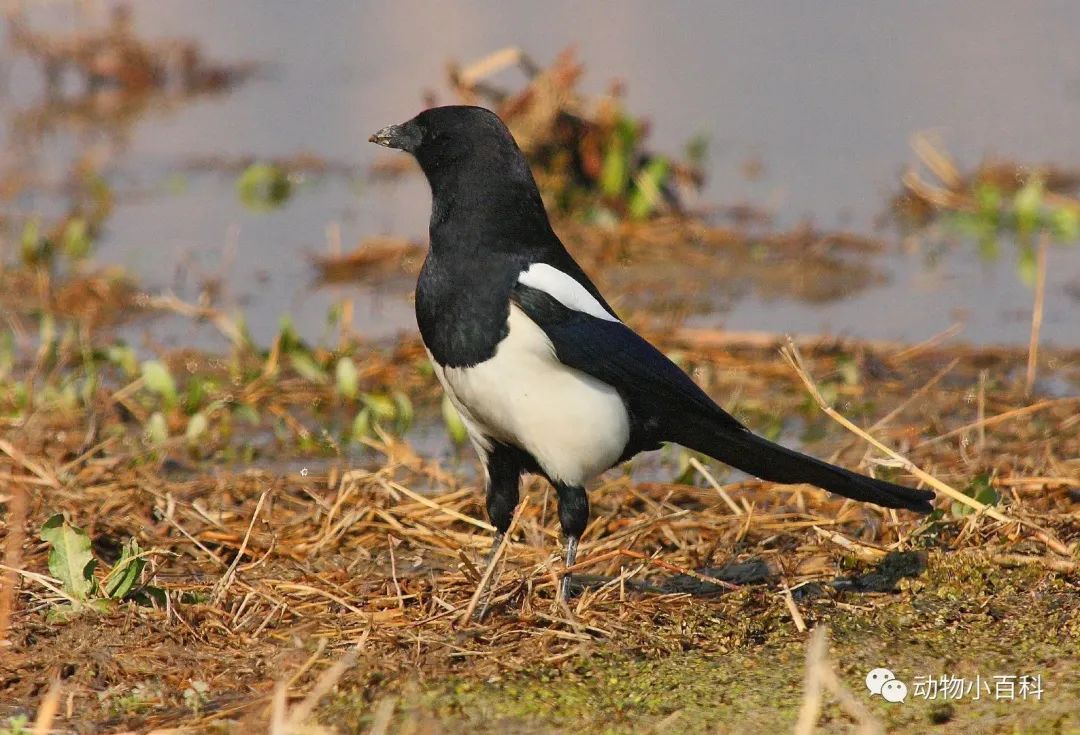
(571, 557)
(492, 580)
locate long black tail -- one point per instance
(737, 446)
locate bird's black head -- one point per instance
(447, 140)
(481, 186)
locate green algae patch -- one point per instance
(965, 618)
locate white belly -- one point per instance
(573, 425)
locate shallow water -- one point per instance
(824, 96)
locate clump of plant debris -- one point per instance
(995, 198)
(115, 57)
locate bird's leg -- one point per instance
(494, 549)
(573, 516)
(571, 556)
(492, 582)
(503, 474)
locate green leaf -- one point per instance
(263, 187)
(348, 379)
(195, 394)
(361, 425)
(125, 574)
(382, 406)
(454, 425)
(63, 613)
(404, 411)
(773, 428)
(70, 559)
(989, 199)
(982, 490)
(76, 239)
(1027, 205)
(248, 413)
(615, 171)
(614, 174)
(18, 725)
(157, 429)
(123, 357)
(160, 381)
(35, 249)
(306, 367)
(1027, 266)
(1065, 223)
(648, 194)
(151, 596)
(849, 371)
(196, 427)
(289, 338)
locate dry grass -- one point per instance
(271, 578)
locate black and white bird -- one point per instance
(546, 377)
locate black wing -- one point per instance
(666, 405)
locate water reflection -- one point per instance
(824, 98)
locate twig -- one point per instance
(1037, 312)
(44, 475)
(278, 702)
(490, 64)
(703, 470)
(230, 573)
(948, 333)
(820, 676)
(994, 420)
(861, 549)
(937, 160)
(791, 354)
(47, 711)
(1063, 566)
(317, 591)
(225, 325)
(435, 506)
(707, 579)
(981, 411)
(914, 396)
(921, 391)
(393, 571)
(793, 609)
(319, 648)
(384, 714)
(49, 583)
(15, 522)
(1052, 481)
(465, 618)
(810, 708)
(327, 681)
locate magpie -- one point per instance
(546, 377)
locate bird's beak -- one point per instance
(386, 136)
(405, 137)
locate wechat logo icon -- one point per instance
(884, 682)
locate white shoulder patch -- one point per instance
(564, 289)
